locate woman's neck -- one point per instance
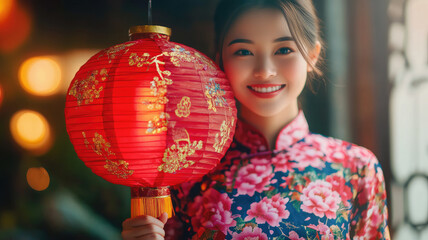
(272, 125)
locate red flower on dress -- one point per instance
(251, 178)
(248, 233)
(305, 155)
(319, 198)
(294, 236)
(212, 211)
(281, 163)
(269, 210)
(339, 185)
(323, 230)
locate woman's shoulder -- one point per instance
(340, 151)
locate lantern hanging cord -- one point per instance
(150, 12)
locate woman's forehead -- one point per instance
(259, 24)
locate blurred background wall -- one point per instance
(376, 95)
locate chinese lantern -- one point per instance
(148, 114)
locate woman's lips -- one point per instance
(266, 90)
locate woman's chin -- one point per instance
(266, 110)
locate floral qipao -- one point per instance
(309, 187)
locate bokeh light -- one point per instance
(5, 8)
(40, 76)
(15, 25)
(1, 95)
(38, 178)
(31, 131)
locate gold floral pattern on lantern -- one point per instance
(221, 139)
(175, 157)
(214, 95)
(158, 124)
(159, 83)
(183, 107)
(113, 51)
(85, 140)
(159, 90)
(87, 89)
(101, 147)
(118, 168)
(134, 59)
(178, 54)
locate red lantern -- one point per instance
(148, 114)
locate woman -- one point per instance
(277, 180)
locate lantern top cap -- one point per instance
(150, 29)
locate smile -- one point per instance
(266, 88)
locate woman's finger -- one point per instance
(140, 221)
(144, 232)
(163, 218)
(150, 237)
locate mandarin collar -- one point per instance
(293, 132)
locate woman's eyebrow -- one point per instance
(239, 40)
(282, 39)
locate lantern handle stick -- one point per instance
(150, 12)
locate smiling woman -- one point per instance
(266, 69)
(277, 180)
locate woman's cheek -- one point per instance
(293, 70)
(236, 70)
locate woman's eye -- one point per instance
(243, 52)
(284, 50)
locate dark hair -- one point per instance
(299, 14)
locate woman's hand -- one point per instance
(144, 227)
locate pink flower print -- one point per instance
(251, 178)
(196, 211)
(367, 186)
(325, 145)
(285, 140)
(281, 163)
(294, 131)
(360, 156)
(375, 216)
(338, 185)
(248, 233)
(337, 156)
(305, 155)
(323, 230)
(230, 176)
(319, 199)
(249, 136)
(294, 236)
(270, 210)
(288, 181)
(212, 211)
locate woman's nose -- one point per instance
(265, 69)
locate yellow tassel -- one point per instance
(153, 206)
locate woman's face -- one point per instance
(265, 68)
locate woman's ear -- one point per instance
(314, 55)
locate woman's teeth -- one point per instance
(266, 90)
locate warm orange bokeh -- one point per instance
(1, 95)
(40, 76)
(15, 25)
(31, 131)
(38, 178)
(6, 7)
